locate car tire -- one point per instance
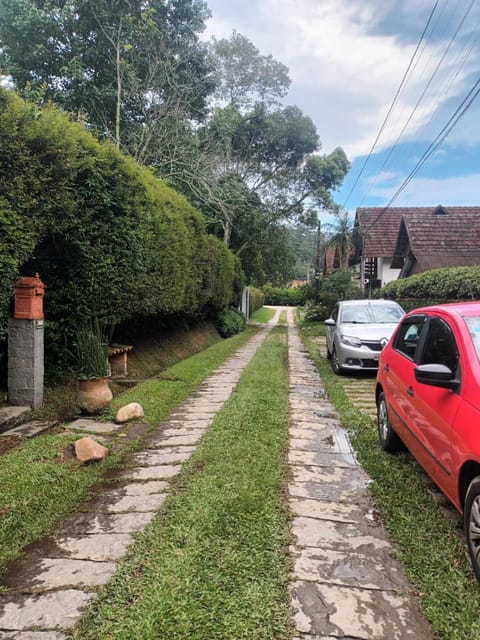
(334, 362)
(389, 440)
(471, 518)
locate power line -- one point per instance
(397, 94)
(422, 95)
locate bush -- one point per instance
(286, 296)
(436, 286)
(316, 313)
(108, 239)
(229, 322)
(257, 300)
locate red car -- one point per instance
(428, 399)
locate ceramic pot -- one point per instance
(94, 395)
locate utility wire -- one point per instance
(459, 112)
(422, 95)
(397, 94)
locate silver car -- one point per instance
(357, 331)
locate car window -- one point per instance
(356, 313)
(386, 313)
(335, 313)
(440, 346)
(473, 325)
(408, 336)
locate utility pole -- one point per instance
(317, 265)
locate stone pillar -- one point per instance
(26, 344)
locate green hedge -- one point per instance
(436, 286)
(109, 239)
(286, 296)
(257, 300)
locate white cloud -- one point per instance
(425, 192)
(344, 70)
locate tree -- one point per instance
(341, 239)
(244, 76)
(131, 69)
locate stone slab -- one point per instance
(193, 430)
(159, 472)
(170, 441)
(332, 567)
(33, 635)
(55, 610)
(54, 573)
(328, 440)
(360, 613)
(30, 429)
(154, 457)
(92, 523)
(93, 426)
(11, 415)
(134, 489)
(98, 547)
(322, 459)
(355, 512)
(345, 478)
(340, 536)
(126, 504)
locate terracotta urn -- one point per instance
(94, 395)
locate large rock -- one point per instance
(87, 450)
(132, 411)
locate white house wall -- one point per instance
(384, 272)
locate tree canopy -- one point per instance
(209, 119)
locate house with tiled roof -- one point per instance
(431, 237)
(444, 237)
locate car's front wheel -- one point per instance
(389, 441)
(335, 362)
(471, 516)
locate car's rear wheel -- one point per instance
(335, 363)
(471, 515)
(389, 441)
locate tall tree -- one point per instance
(130, 68)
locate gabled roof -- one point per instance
(379, 227)
(448, 239)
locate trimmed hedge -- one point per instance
(436, 286)
(109, 239)
(229, 322)
(257, 300)
(286, 296)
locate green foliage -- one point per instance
(229, 322)
(317, 313)
(437, 285)
(286, 296)
(109, 239)
(91, 352)
(257, 299)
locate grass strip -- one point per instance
(213, 565)
(429, 544)
(40, 484)
(263, 314)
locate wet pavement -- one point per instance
(346, 583)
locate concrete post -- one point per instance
(26, 344)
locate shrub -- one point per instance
(257, 299)
(437, 285)
(229, 322)
(286, 296)
(108, 239)
(316, 313)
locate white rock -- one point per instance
(131, 411)
(87, 449)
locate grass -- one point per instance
(283, 317)
(40, 484)
(429, 544)
(213, 565)
(263, 315)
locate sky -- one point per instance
(387, 74)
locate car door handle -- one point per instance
(386, 368)
(410, 391)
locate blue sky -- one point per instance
(347, 59)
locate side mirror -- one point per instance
(436, 375)
(330, 322)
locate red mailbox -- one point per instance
(29, 292)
